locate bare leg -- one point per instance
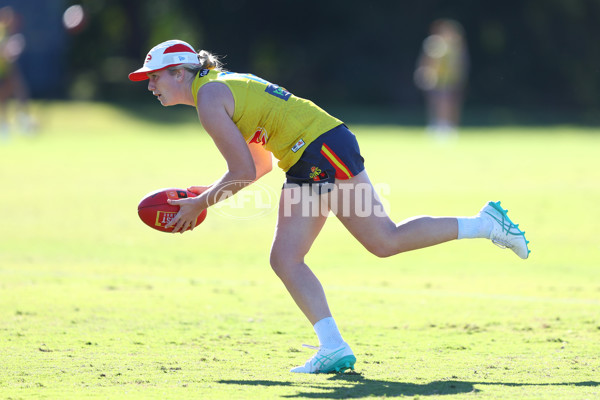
(296, 232)
(376, 231)
(294, 235)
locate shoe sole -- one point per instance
(341, 365)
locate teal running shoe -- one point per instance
(505, 233)
(327, 360)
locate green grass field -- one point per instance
(94, 304)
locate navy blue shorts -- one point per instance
(333, 155)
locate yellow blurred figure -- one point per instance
(441, 73)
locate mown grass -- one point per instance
(93, 304)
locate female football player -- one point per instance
(249, 120)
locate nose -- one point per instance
(151, 86)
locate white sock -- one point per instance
(328, 333)
(474, 227)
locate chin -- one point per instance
(167, 103)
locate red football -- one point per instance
(155, 212)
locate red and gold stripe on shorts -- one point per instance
(341, 170)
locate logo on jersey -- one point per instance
(298, 145)
(260, 136)
(203, 72)
(278, 91)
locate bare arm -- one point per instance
(215, 109)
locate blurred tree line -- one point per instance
(524, 53)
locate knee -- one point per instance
(280, 262)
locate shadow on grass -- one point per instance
(356, 386)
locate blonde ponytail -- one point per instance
(209, 60)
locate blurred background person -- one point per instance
(441, 73)
(12, 83)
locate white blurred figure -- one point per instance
(441, 73)
(12, 83)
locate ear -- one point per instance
(180, 74)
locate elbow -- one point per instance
(250, 177)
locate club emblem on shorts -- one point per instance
(316, 174)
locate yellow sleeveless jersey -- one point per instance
(270, 115)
